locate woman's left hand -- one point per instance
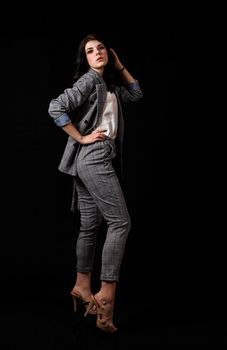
(117, 63)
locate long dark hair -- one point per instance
(81, 64)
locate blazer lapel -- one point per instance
(101, 98)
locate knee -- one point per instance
(90, 224)
(126, 223)
(121, 224)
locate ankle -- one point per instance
(84, 290)
(83, 283)
(107, 292)
(104, 299)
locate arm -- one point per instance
(124, 73)
(69, 100)
(131, 90)
(72, 131)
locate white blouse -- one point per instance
(109, 118)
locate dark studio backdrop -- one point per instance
(175, 255)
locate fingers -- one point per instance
(114, 54)
(112, 51)
(98, 130)
(101, 130)
(100, 134)
(97, 135)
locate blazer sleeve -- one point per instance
(130, 92)
(60, 107)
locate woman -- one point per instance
(90, 113)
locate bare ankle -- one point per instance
(107, 292)
(83, 283)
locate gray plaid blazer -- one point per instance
(83, 105)
(86, 100)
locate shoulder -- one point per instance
(90, 78)
(84, 85)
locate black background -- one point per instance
(175, 259)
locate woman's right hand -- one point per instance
(96, 135)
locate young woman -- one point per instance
(90, 113)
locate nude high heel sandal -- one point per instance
(90, 304)
(105, 317)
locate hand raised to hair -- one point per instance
(116, 61)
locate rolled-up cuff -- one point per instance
(62, 120)
(133, 86)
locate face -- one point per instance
(96, 54)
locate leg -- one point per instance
(98, 175)
(96, 170)
(90, 220)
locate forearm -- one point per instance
(123, 73)
(72, 131)
(125, 76)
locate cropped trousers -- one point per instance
(100, 197)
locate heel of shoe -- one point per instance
(89, 305)
(74, 303)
